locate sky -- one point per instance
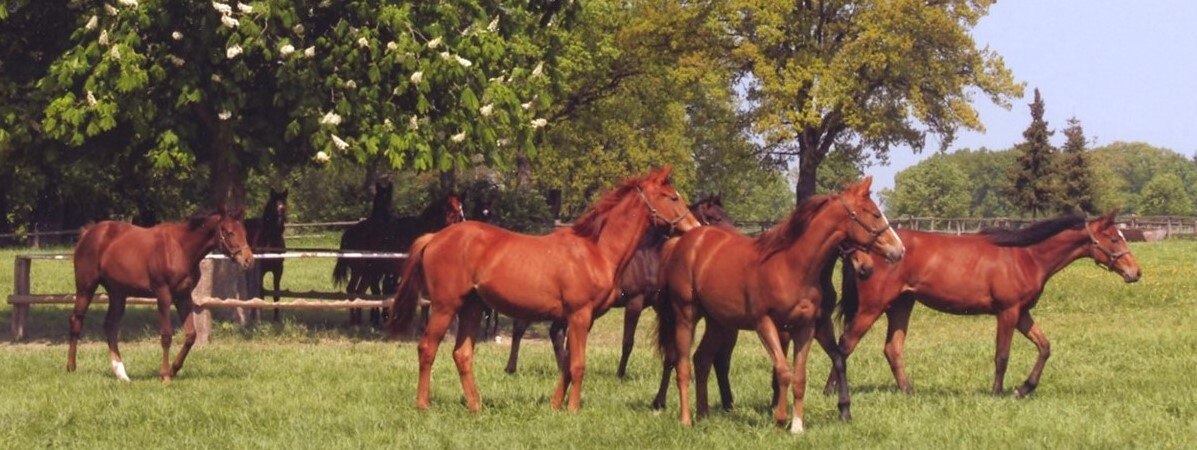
(1126, 69)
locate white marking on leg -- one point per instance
(118, 368)
(796, 426)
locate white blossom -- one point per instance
(386, 123)
(245, 8)
(177, 61)
(111, 10)
(363, 42)
(222, 8)
(286, 50)
(539, 123)
(340, 143)
(486, 110)
(526, 105)
(464, 62)
(539, 69)
(298, 28)
(501, 142)
(330, 118)
(129, 3)
(91, 23)
(229, 22)
(434, 43)
(215, 78)
(498, 79)
(417, 77)
(414, 123)
(91, 98)
(459, 137)
(322, 157)
(446, 56)
(494, 25)
(115, 53)
(224, 115)
(392, 46)
(310, 51)
(351, 84)
(103, 37)
(176, 35)
(233, 51)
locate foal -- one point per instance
(999, 272)
(267, 232)
(162, 262)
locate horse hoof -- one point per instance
(796, 427)
(118, 369)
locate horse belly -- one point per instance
(958, 305)
(523, 300)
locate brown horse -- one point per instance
(266, 232)
(568, 275)
(770, 284)
(637, 289)
(161, 262)
(997, 272)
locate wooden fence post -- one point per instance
(20, 312)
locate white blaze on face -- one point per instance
(118, 368)
(1120, 234)
(893, 234)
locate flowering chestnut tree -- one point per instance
(233, 86)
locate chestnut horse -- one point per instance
(266, 232)
(637, 289)
(769, 283)
(568, 275)
(162, 262)
(999, 272)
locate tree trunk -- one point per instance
(228, 177)
(523, 170)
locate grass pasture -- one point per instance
(1121, 375)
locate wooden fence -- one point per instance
(222, 285)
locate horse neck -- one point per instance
(271, 218)
(197, 243)
(823, 234)
(625, 226)
(1057, 252)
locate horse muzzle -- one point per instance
(244, 259)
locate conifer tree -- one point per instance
(1030, 187)
(1076, 180)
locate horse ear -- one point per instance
(662, 174)
(862, 188)
(237, 213)
(1110, 216)
(286, 192)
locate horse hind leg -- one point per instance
(185, 309)
(631, 317)
(518, 328)
(468, 320)
(278, 275)
(704, 357)
(1026, 325)
(112, 331)
(85, 291)
(439, 319)
(898, 318)
(166, 331)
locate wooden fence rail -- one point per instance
(222, 285)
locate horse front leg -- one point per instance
(825, 334)
(1026, 325)
(165, 331)
(1005, 331)
(802, 340)
(112, 331)
(767, 331)
(186, 310)
(577, 329)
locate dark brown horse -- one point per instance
(568, 275)
(369, 234)
(768, 284)
(637, 288)
(161, 262)
(266, 232)
(997, 272)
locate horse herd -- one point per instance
(639, 246)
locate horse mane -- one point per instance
(785, 233)
(1033, 233)
(591, 222)
(196, 220)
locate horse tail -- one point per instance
(850, 300)
(411, 283)
(341, 269)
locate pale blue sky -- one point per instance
(1126, 69)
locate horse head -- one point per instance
(452, 209)
(276, 206)
(665, 204)
(1109, 248)
(709, 211)
(231, 235)
(869, 229)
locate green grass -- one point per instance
(1120, 376)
